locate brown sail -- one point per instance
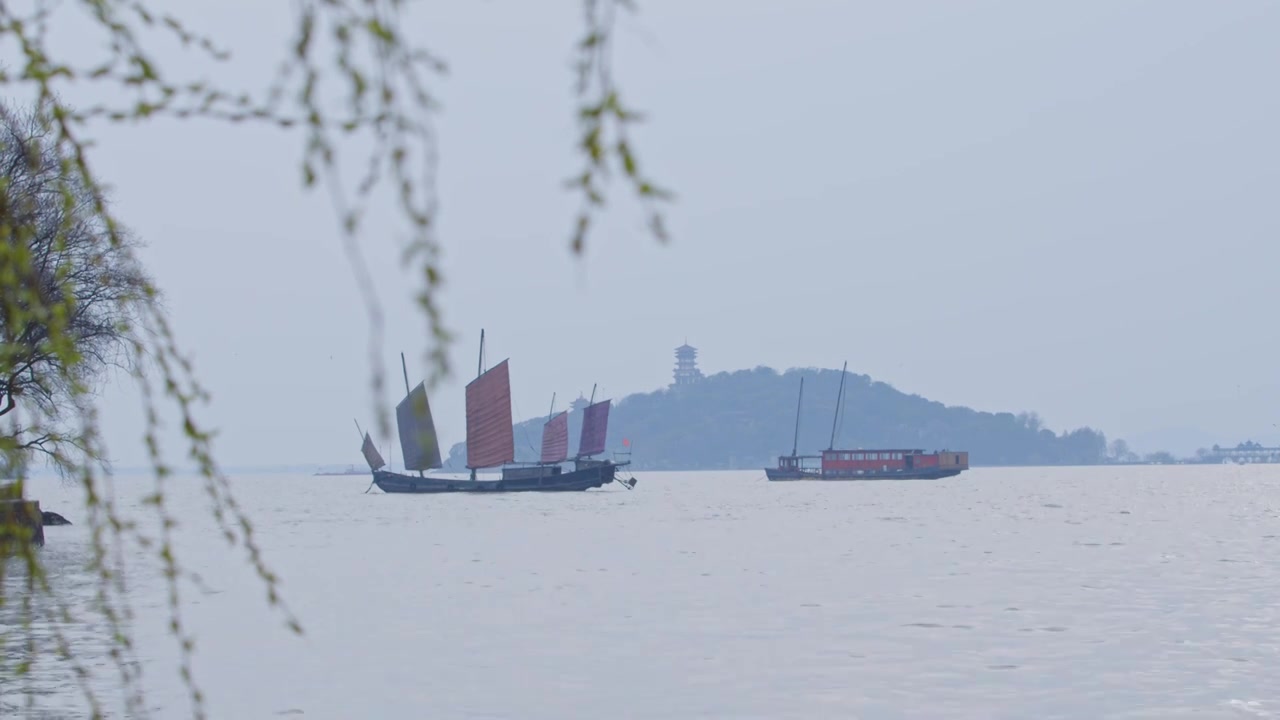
(418, 440)
(595, 428)
(555, 439)
(371, 454)
(490, 440)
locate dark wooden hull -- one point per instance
(776, 474)
(541, 478)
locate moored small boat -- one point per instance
(870, 465)
(864, 464)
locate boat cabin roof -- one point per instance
(910, 451)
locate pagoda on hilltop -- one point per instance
(686, 372)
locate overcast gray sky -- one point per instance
(1060, 207)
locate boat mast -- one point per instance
(480, 362)
(593, 395)
(796, 442)
(405, 368)
(551, 413)
(839, 395)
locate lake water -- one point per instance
(1134, 592)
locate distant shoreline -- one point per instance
(316, 470)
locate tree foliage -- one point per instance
(64, 279)
(347, 70)
(1119, 452)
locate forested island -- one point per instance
(745, 419)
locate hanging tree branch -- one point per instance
(75, 303)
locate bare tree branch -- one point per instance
(78, 290)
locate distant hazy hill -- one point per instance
(746, 419)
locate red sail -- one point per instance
(555, 439)
(490, 441)
(595, 426)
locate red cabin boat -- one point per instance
(863, 464)
(870, 465)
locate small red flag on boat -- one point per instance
(626, 442)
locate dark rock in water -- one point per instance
(53, 518)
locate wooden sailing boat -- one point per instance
(490, 444)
